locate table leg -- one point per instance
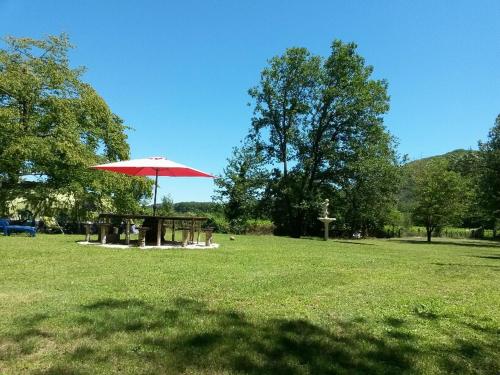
(158, 234)
(87, 232)
(127, 231)
(103, 233)
(191, 232)
(185, 237)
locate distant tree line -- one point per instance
(460, 188)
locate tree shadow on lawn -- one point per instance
(466, 243)
(497, 257)
(355, 242)
(188, 336)
(337, 240)
(497, 268)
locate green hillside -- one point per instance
(453, 157)
(463, 162)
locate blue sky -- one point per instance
(178, 72)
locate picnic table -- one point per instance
(154, 225)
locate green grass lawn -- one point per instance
(261, 305)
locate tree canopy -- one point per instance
(312, 119)
(439, 195)
(242, 183)
(53, 127)
(490, 177)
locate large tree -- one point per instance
(311, 115)
(439, 196)
(53, 126)
(490, 175)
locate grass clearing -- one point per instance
(259, 304)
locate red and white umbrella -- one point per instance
(154, 166)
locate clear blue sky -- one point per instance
(178, 72)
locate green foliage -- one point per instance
(371, 183)
(489, 181)
(242, 185)
(467, 163)
(440, 196)
(197, 207)
(259, 226)
(53, 126)
(313, 118)
(218, 222)
(442, 232)
(166, 206)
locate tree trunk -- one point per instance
(429, 234)
(297, 224)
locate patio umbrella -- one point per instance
(154, 166)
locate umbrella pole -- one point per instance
(156, 188)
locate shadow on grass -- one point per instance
(355, 242)
(337, 240)
(466, 265)
(466, 243)
(186, 336)
(497, 257)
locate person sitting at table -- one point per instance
(133, 228)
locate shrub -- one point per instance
(259, 227)
(238, 226)
(218, 222)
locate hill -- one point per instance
(453, 157)
(463, 162)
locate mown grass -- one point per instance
(259, 305)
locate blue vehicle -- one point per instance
(7, 228)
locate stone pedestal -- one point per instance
(208, 236)
(326, 221)
(87, 231)
(142, 236)
(104, 232)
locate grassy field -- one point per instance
(261, 305)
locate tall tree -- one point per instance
(490, 175)
(469, 165)
(310, 115)
(53, 126)
(371, 185)
(440, 196)
(241, 186)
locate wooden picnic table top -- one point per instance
(138, 216)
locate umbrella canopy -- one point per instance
(154, 166)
